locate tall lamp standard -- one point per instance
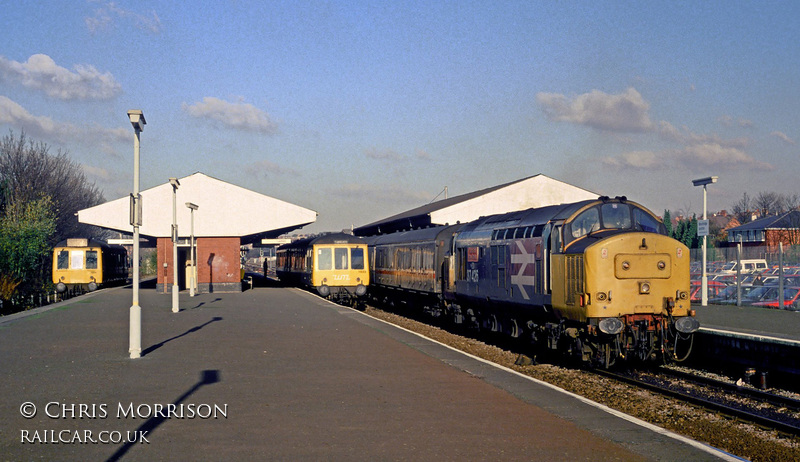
(193, 285)
(175, 183)
(704, 182)
(137, 120)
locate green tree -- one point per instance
(668, 222)
(29, 172)
(691, 234)
(25, 230)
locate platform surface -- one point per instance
(279, 374)
(750, 320)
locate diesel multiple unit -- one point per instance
(334, 265)
(82, 265)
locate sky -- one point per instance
(361, 110)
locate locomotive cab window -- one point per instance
(585, 223)
(616, 216)
(613, 216)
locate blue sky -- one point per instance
(361, 110)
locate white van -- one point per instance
(748, 266)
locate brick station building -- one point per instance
(228, 216)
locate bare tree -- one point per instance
(767, 203)
(29, 172)
(742, 210)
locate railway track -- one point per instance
(765, 409)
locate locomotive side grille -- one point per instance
(574, 278)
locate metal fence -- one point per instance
(779, 284)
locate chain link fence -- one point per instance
(768, 288)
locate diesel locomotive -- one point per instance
(81, 265)
(333, 265)
(598, 280)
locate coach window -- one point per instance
(357, 258)
(63, 259)
(340, 261)
(91, 259)
(324, 259)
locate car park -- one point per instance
(714, 290)
(791, 300)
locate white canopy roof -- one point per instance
(224, 210)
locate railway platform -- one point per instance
(279, 374)
(750, 320)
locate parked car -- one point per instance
(752, 295)
(727, 296)
(748, 266)
(791, 300)
(714, 289)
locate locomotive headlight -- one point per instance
(687, 325)
(683, 295)
(601, 296)
(610, 326)
(661, 265)
(644, 287)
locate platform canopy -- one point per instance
(534, 191)
(224, 210)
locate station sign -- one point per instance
(702, 228)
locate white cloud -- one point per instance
(783, 137)
(15, 115)
(687, 137)
(105, 16)
(718, 156)
(97, 173)
(625, 112)
(240, 116)
(385, 154)
(263, 169)
(423, 155)
(642, 160)
(393, 195)
(40, 72)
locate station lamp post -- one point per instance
(193, 285)
(175, 290)
(137, 121)
(704, 182)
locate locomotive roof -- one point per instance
(534, 191)
(539, 215)
(82, 242)
(333, 238)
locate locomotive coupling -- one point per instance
(611, 326)
(687, 325)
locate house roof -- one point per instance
(225, 210)
(786, 220)
(534, 191)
